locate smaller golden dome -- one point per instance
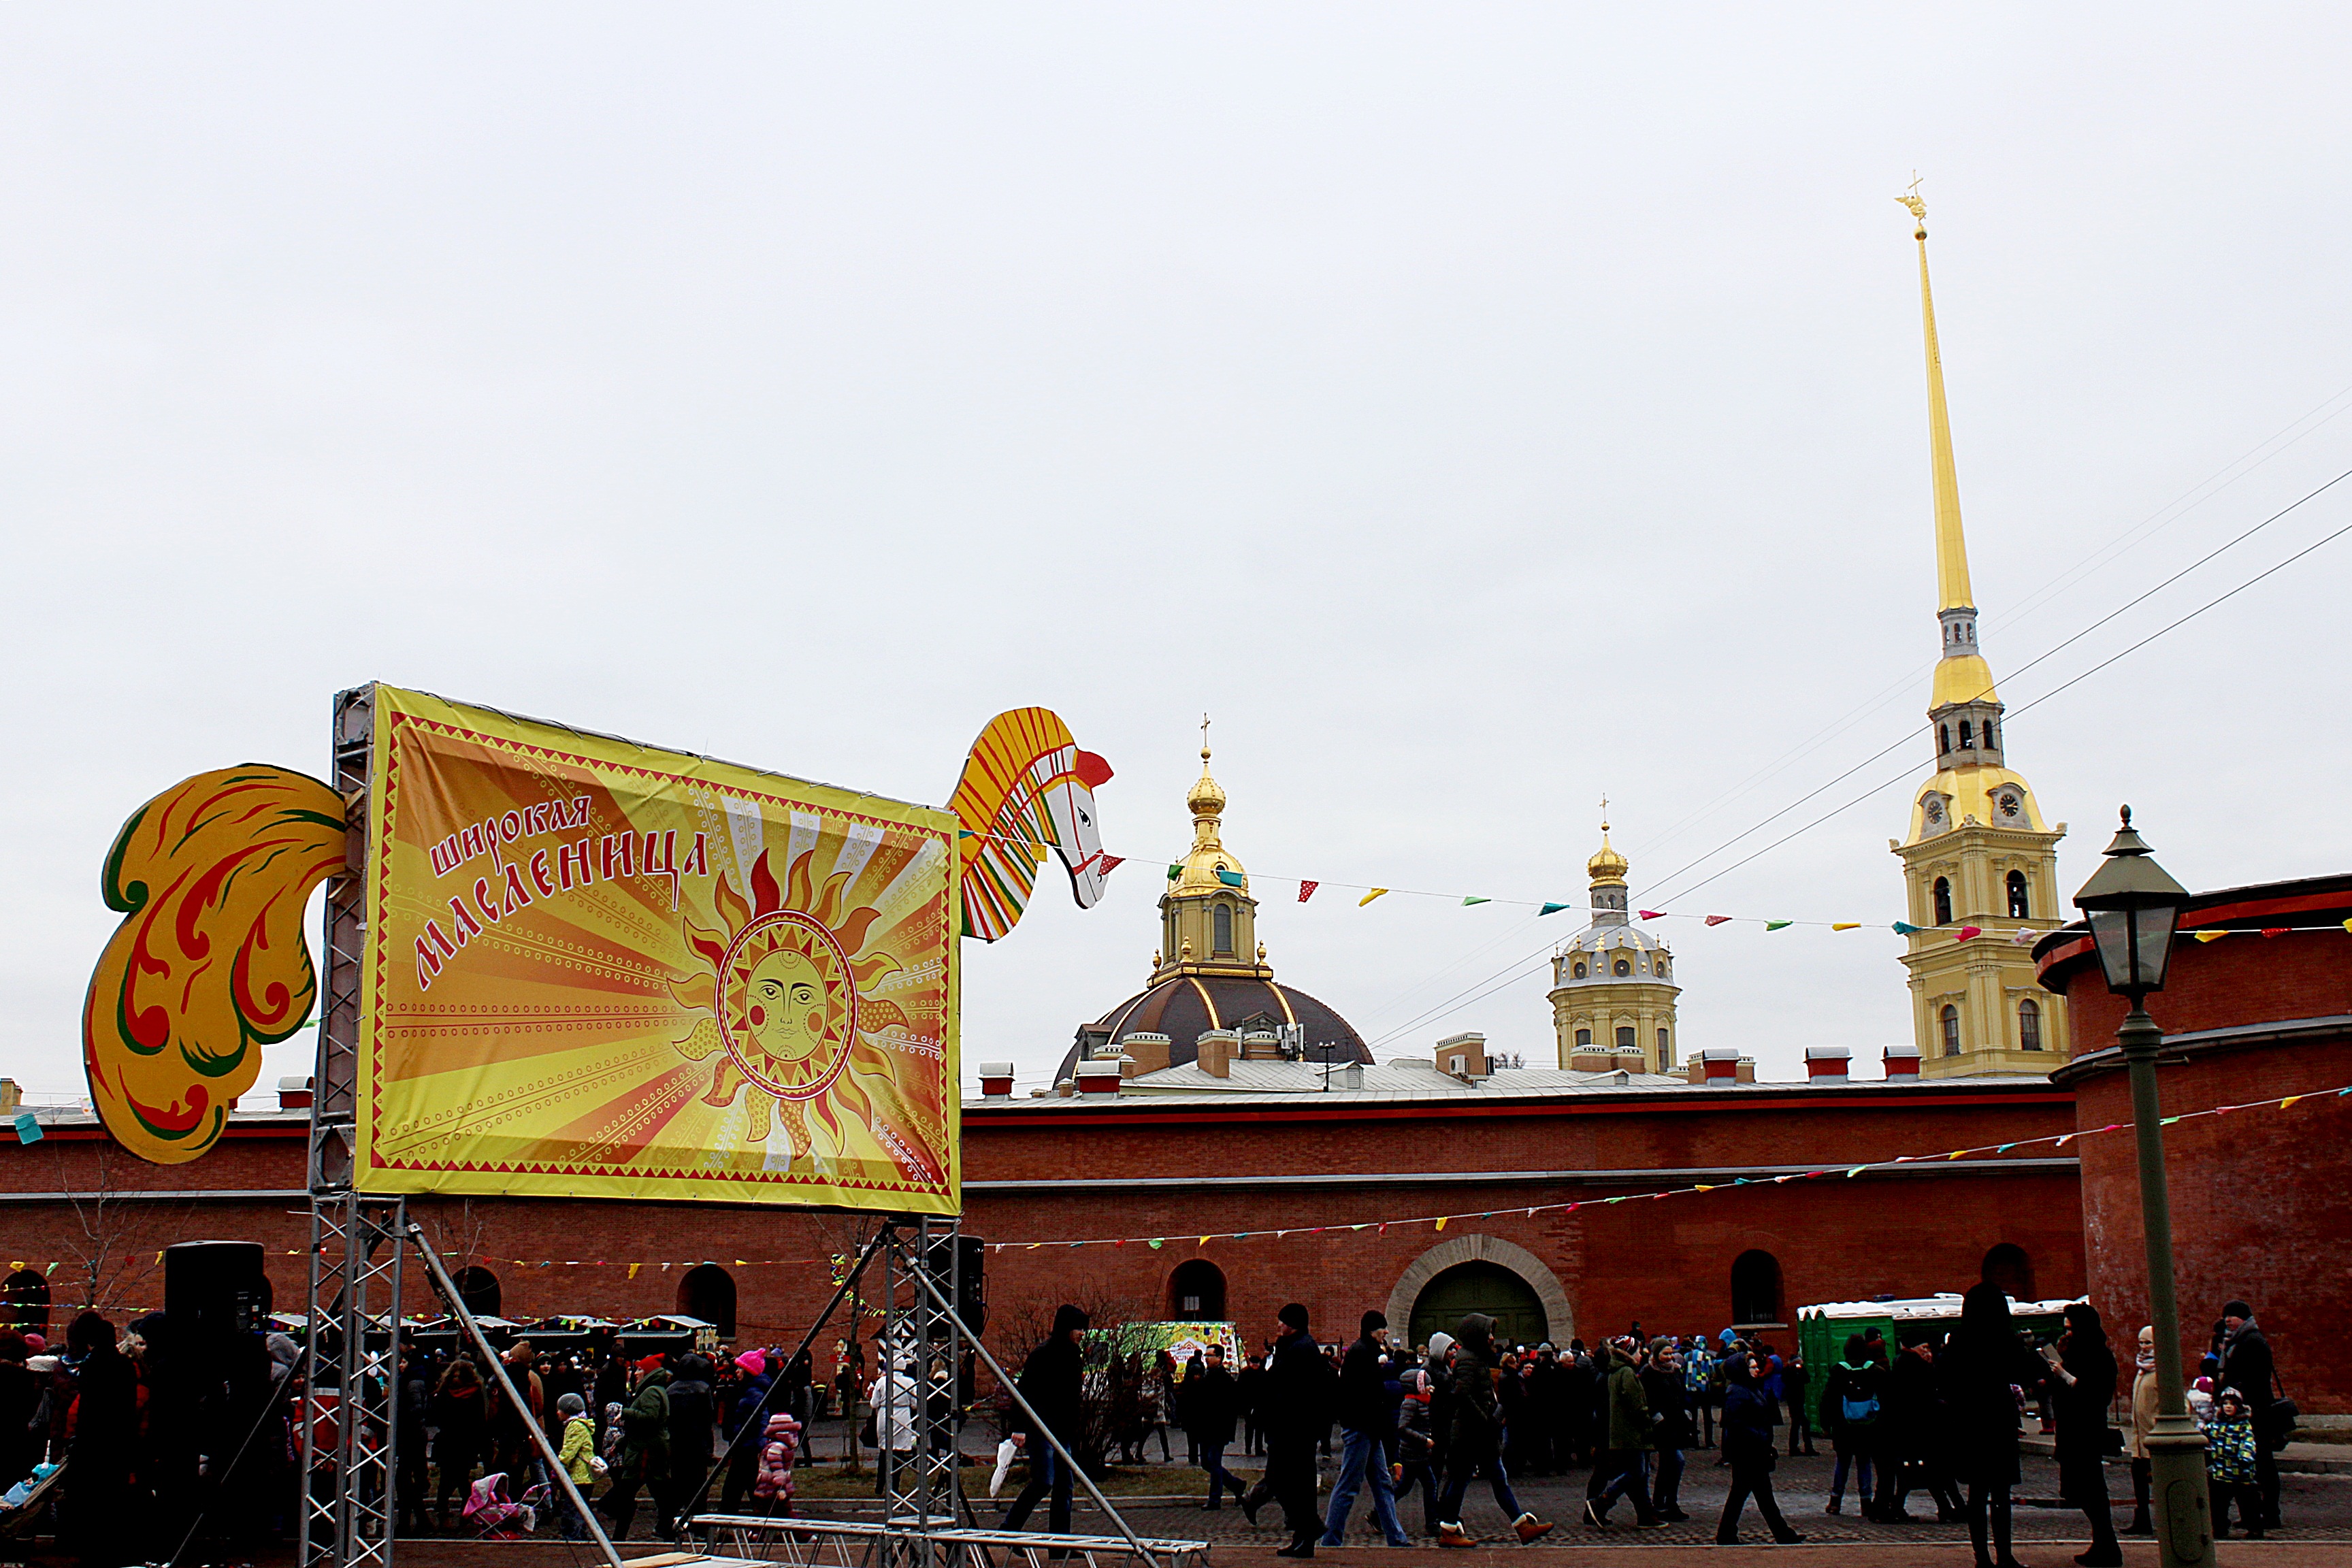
(1607, 865)
(1207, 796)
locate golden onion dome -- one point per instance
(1607, 865)
(1207, 796)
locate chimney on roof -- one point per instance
(1827, 1064)
(1146, 1052)
(1261, 1046)
(1465, 1055)
(1215, 1051)
(1100, 1076)
(1721, 1064)
(1349, 1077)
(996, 1080)
(294, 1093)
(1902, 1063)
(11, 1096)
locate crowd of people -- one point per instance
(133, 1416)
(1933, 1414)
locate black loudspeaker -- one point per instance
(214, 1289)
(971, 1282)
(971, 1277)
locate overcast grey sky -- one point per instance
(1476, 408)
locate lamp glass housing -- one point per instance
(2135, 945)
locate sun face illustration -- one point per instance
(793, 1030)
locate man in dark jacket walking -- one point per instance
(1623, 1465)
(1213, 1402)
(1053, 1381)
(693, 1420)
(2247, 1367)
(1368, 1426)
(1298, 1410)
(1662, 1385)
(1476, 1445)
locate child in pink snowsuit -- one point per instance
(779, 1444)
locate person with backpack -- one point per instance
(1849, 1410)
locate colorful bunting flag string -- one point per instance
(2023, 936)
(1440, 1221)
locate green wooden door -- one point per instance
(1487, 1287)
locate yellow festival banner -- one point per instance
(598, 970)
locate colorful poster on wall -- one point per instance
(595, 969)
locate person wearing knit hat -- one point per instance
(576, 1454)
(643, 1458)
(2247, 1367)
(1368, 1429)
(1052, 1382)
(1298, 1400)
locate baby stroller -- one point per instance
(497, 1517)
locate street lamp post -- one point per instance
(2133, 904)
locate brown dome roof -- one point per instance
(1184, 1006)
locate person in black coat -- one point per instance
(1053, 1381)
(1297, 1411)
(1212, 1405)
(693, 1420)
(1749, 1450)
(2083, 1386)
(20, 1395)
(98, 1512)
(2247, 1367)
(1367, 1412)
(1669, 1403)
(1912, 1428)
(1981, 1369)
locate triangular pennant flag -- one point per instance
(1967, 932)
(2023, 936)
(1651, 914)
(1904, 928)
(1857, 1170)
(1467, 902)
(1368, 898)
(2289, 1099)
(1778, 925)
(1174, 872)
(1106, 864)
(1701, 1187)
(1441, 1222)
(1551, 909)
(2273, 931)
(2168, 1122)
(1204, 1241)
(1158, 1242)
(2209, 935)
(633, 1269)
(2348, 925)
(1306, 890)
(1232, 879)
(1845, 925)
(965, 833)
(1717, 920)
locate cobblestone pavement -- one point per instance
(2317, 1509)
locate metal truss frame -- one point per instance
(350, 1364)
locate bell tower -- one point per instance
(1208, 921)
(1979, 857)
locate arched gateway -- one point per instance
(1478, 1273)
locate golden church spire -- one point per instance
(1979, 863)
(1962, 675)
